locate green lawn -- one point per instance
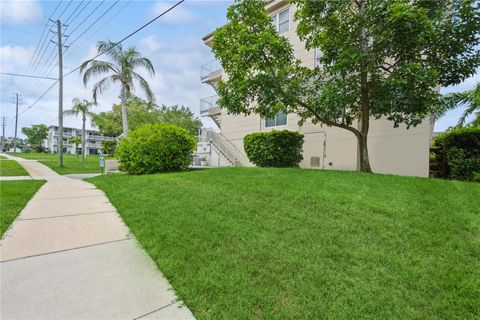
(14, 195)
(2, 157)
(243, 243)
(71, 164)
(9, 168)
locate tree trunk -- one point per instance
(124, 112)
(363, 153)
(84, 149)
(364, 99)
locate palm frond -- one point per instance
(101, 86)
(97, 67)
(145, 87)
(143, 62)
(470, 110)
(111, 49)
(71, 112)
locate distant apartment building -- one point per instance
(93, 140)
(392, 150)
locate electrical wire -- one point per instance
(103, 52)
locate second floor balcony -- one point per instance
(208, 104)
(211, 71)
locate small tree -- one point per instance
(36, 135)
(81, 107)
(109, 147)
(76, 140)
(378, 59)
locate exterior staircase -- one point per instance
(224, 147)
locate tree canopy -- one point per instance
(35, 136)
(142, 112)
(378, 59)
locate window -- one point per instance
(281, 21)
(318, 55)
(280, 119)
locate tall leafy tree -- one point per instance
(35, 136)
(82, 108)
(180, 116)
(122, 69)
(378, 59)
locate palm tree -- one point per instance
(76, 140)
(122, 69)
(470, 98)
(81, 107)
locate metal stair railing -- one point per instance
(229, 150)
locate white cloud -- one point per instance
(21, 12)
(14, 58)
(178, 15)
(149, 44)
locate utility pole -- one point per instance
(4, 124)
(16, 125)
(60, 94)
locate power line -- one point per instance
(88, 16)
(25, 75)
(79, 12)
(113, 5)
(40, 98)
(132, 33)
(38, 62)
(101, 27)
(103, 52)
(48, 68)
(30, 63)
(68, 5)
(66, 21)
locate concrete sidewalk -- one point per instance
(69, 256)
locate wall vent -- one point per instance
(315, 162)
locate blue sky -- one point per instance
(173, 43)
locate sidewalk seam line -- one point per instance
(64, 250)
(73, 197)
(66, 215)
(146, 314)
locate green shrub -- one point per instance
(156, 148)
(461, 150)
(274, 149)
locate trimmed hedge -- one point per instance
(276, 148)
(156, 148)
(460, 148)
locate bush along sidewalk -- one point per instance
(459, 152)
(156, 148)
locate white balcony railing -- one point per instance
(209, 68)
(208, 103)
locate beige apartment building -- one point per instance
(392, 150)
